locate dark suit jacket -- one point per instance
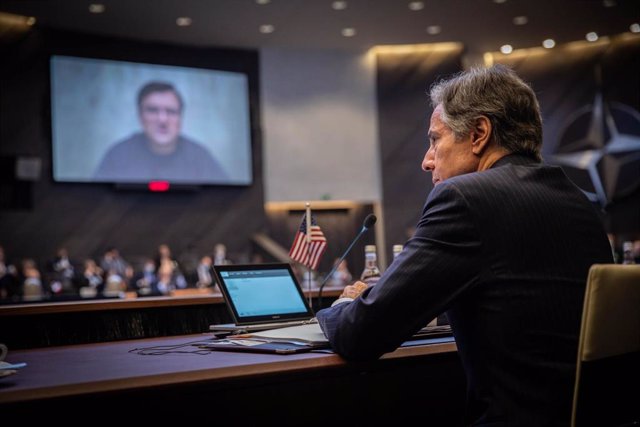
(506, 253)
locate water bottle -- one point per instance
(627, 253)
(396, 250)
(371, 272)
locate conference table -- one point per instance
(82, 321)
(171, 379)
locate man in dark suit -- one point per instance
(503, 247)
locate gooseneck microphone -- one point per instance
(369, 221)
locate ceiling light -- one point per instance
(499, 1)
(348, 32)
(339, 5)
(506, 49)
(183, 21)
(549, 43)
(520, 20)
(416, 5)
(263, 1)
(592, 36)
(609, 3)
(434, 29)
(31, 21)
(267, 28)
(634, 28)
(96, 8)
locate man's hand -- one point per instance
(353, 291)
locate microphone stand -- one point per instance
(337, 264)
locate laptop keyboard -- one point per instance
(235, 329)
(264, 326)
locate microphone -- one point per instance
(369, 221)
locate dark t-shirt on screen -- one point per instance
(131, 160)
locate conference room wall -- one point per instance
(404, 110)
(319, 125)
(589, 94)
(348, 125)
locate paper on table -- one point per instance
(6, 365)
(7, 369)
(310, 334)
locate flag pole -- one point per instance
(308, 237)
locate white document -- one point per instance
(310, 334)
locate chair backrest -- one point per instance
(607, 388)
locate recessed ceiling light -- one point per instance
(549, 43)
(416, 5)
(348, 32)
(506, 49)
(31, 21)
(609, 3)
(520, 20)
(267, 28)
(339, 5)
(434, 29)
(592, 36)
(183, 21)
(263, 1)
(634, 28)
(96, 8)
(499, 1)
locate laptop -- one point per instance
(261, 297)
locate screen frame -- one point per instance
(244, 61)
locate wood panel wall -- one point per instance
(404, 111)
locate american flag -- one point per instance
(300, 250)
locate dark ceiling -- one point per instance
(481, 25)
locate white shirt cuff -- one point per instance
(341, 300)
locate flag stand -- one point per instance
(308, 264)
(308, 246)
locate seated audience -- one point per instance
(9, 283)
(188, 261)
(113, 262)
(220, 255)
(62, 273)
(168, 279)
(142, 281)
(92, 279)
(165, 259)
(114, 284)
(32, 288)
(205, 279)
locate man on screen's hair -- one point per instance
(159, 152)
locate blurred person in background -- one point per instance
(9, 282)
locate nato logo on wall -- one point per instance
(599, 149)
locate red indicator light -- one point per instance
(159, 185)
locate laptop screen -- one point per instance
(262, 293)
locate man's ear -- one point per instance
(481, 135)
